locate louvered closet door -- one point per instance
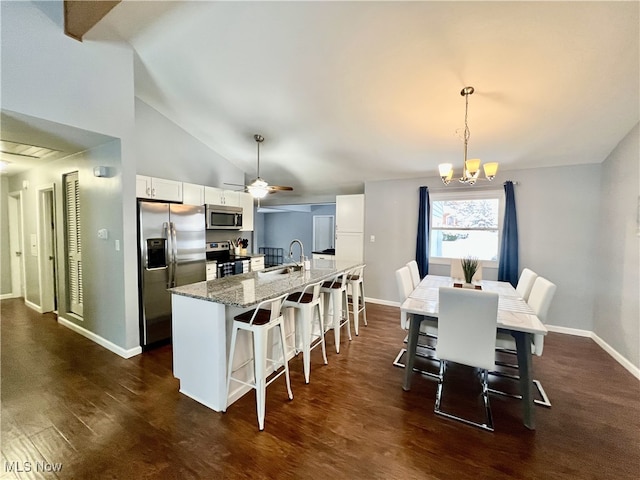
(74, 242)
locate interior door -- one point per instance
(16, 245)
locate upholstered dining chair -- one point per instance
(525, 283)
(467, 324)
(428, 326)
(415, 272)
(540, 298)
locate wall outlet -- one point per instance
(372, 238)
(103, 234)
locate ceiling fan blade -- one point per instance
(280, 188)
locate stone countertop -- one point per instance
(249, 289)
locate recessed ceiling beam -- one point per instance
(80, 16)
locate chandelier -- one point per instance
(471, 167)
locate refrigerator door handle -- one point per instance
(166, 227)
(174, 247)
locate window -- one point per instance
(466, 224)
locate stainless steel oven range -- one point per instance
(225, 262)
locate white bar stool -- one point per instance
(335, 292)
(259, 322)
(356, 282)
(306, 305)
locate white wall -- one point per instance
(617, 316)
(557, 222)
(88, 85)
(165, 150)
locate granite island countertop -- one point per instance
(249, 289)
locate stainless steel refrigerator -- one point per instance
(172, 254)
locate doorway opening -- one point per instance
(323, 232)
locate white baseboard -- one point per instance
(570, 331)
(635, 371)
(100, 340)
(33, 306)
(6, 296)
(379, 301)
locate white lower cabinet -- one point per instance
(323, 256)
(257, 263)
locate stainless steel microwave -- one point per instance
(222, 217)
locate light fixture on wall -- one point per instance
(471, 167)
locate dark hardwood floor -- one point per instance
(68, 401)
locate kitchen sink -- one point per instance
(279, 272)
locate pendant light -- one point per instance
(470, 167)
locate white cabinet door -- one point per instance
(192, 194)
(213, 196)
(230, 198)
(143, 186)
(246, 202)
(257, 263)
(162, 189)
(158, 188)
(350, 246)
(350, 213)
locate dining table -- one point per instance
(515, 316)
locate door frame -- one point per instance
(46, 235)
(313, 238)
(16, 235)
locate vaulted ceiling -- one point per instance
(347, 92)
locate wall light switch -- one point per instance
(117, 245)
(372, 238)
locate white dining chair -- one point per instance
(467, 322)
(415, 272)
(525, 283)
(428, 326)
(540, 298)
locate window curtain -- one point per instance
(508, 265)
(422, 242)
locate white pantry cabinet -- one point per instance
(350, 213)
(158, 188)
(245, 201)
(350, 227)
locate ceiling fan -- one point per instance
(259, 188)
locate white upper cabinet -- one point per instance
(192, 194)
(245, 200)
(219, 196)
(350, 213)
(158, 188)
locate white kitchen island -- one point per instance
(202, 316)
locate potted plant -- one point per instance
(469, 267)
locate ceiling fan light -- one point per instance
(490, 170)
(258, 191)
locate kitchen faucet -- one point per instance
(301, 250)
